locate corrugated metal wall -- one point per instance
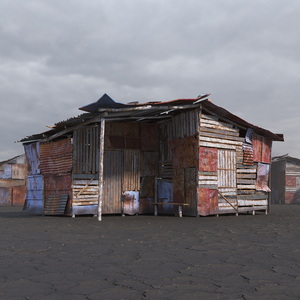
(56, 167)
(113, 176)
(35, 181)
(234, 179)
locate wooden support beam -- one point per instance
(101, 168)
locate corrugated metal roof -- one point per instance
(107, 108)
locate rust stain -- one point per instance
(207, 201)
(208, 159)
(291, 180)
(184, 152)
(131, 202)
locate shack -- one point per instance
(187, 156)
(13, 174)
(285, 174)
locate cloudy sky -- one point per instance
(56, 56)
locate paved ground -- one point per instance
(147, 257)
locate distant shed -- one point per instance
(285, 174)
(13, 174)
(138, 158)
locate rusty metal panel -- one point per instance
(147, 187)
(132, 142)
(149, 163)
(266, 150)
(208, 159)
(18, 195)
(32, 152)
(56, 157)
(248, 154)
(290, 180)
(257, 147)
(184, 152)
(261, 149)
(55, 186)
(149, 137)
(207, 201)
(130, 201)
(146, 205)
(112, 188)
(5, 196)
(132, 169)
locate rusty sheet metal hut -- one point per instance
(13, 174)
(133, 158)
(285, 174)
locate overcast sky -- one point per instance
(57, 56)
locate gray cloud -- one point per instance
(56, 56)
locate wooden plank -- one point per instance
(222, 136)
(252, 202)
(101, 162)
(216, 145)
(219, 131)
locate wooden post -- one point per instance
(101, 161)
(155, 197)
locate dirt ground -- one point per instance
(147, 257)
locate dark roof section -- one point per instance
(104, 102)
(286, 158)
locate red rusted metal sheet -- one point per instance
(184, 152)
(57, 185)
(248, 154)
(266, 150)
(18, 195)
(257, 147)
(208, 159)
(290, 180)
(289, 197)
(149, 137)
(130, 202)
(261, 148)
(207, 201)
(112, 188)
(56, 157)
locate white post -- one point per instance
(101, 161)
